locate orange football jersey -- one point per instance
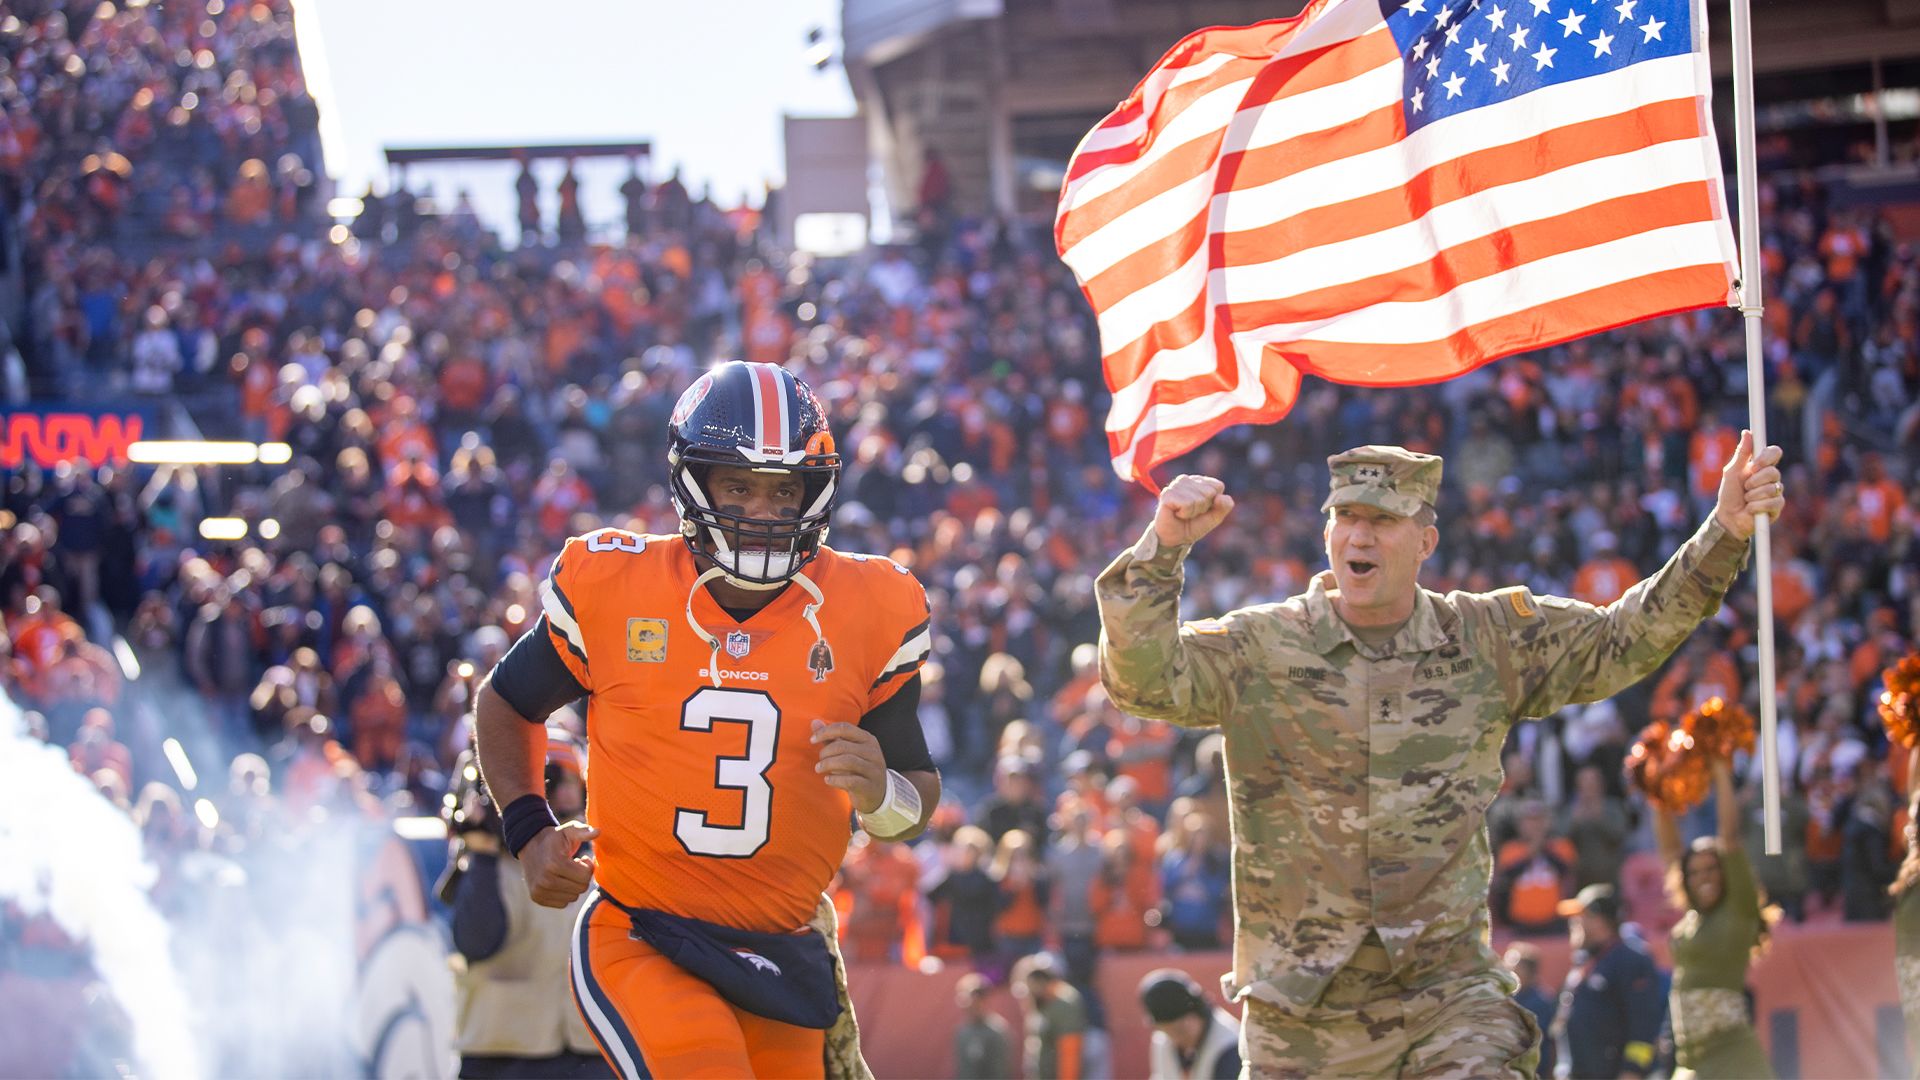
(704, 789)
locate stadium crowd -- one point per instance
(456, 410)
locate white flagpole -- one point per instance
(1756, 403)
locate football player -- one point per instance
(749, 690)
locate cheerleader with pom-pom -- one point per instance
(1727, 919)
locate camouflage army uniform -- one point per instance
(844, 1061)
(1360, 779)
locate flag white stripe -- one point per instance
(1248, 393)
(1198, 357)
(1396, 249)
(1532, 284)
(1461, 221)
(1514, 120)
(1106, 138)
(1380, 169)
(1348, 20)
(1345, 21)
(1266, 124)
(1127, 320)
(1204, 116)
(1271, 123)
(1148, 223)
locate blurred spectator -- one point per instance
(1532, 874)
(1074, 864)
(1056, 1020)
(1595, 825)
(1016, 802)
(1025, 890)
(1523, 959)
(982, 1044)
(1194, 880)
(1610, 1012)
(1867, 866)
(965, 898)
(883, 880)
(1143, 752)
(1192, 1038)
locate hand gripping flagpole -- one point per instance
(1756, 404)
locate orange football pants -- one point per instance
(652, 1018)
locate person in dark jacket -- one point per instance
(1523, 959)
(1614, 1002)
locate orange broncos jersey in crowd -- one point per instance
(705, 793)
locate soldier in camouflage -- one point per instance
(1363, 722)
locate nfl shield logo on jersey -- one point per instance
(739, 643)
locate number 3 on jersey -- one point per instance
(747, 775)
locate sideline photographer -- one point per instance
(516, 1011)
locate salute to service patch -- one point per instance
(647, 640)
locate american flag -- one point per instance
(1386, 193)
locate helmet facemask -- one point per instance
(755, 553)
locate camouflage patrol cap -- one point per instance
(1391, 478)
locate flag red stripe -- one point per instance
(1482, 257)
(1596, 223)
(1596, 311)
(1309, 71)
(1171, 104)
(1160, 260)
(1469, 175)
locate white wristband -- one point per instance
(898, 812)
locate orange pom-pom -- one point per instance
(1721, 728)
(1685, 782)
(1663, 767)
(1900, 704)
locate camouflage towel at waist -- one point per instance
(1699, 1015)
(1906, 970)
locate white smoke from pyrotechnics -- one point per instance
(69, 854)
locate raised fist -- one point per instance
(1190, 508)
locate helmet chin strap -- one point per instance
(713, 643)
(811, 613)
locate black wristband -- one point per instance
(523, 819)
